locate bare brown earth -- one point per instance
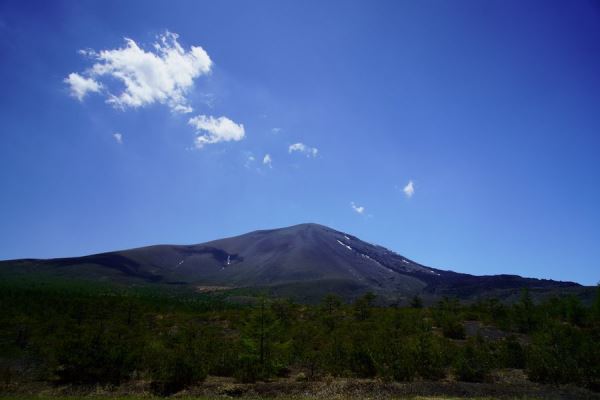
(209, 289)
(506, 384)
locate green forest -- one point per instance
(82, 335)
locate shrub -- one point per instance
(177, 361)
(512, 354)
(173, 369)
(453, 328)
(552, 355)
(249, 369)
(87, 356)
(362, 364)
(404, 366)
(429, 357)
(473, 363)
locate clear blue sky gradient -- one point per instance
(492, 108)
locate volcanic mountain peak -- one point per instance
(306, 258)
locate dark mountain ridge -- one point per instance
(305, 261)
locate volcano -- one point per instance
(304, 261)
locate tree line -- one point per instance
(81, 336)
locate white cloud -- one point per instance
(302, 148)
(267, 160)
(249, 160)
(216, 130)
(409, 189)
(358, 209)
(118, 137)
(163, 75)
(80, 86)
(275, 130)
(182, 109)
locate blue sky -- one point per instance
(491, 109)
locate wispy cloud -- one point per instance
(409, 189)
(80, 86)
(275, 130)
(356, 208)
(302, 148)
(267, 160)
(118, 137)
(208, 99)
(163, 75)
(214, 130)
(249, 160)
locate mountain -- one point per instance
(303, 261)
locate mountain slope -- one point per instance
(294, 260)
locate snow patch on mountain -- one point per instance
(345, 245)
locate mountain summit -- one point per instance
(306, 260)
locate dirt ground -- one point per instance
(506, 384)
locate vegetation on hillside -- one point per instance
(88, 335)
